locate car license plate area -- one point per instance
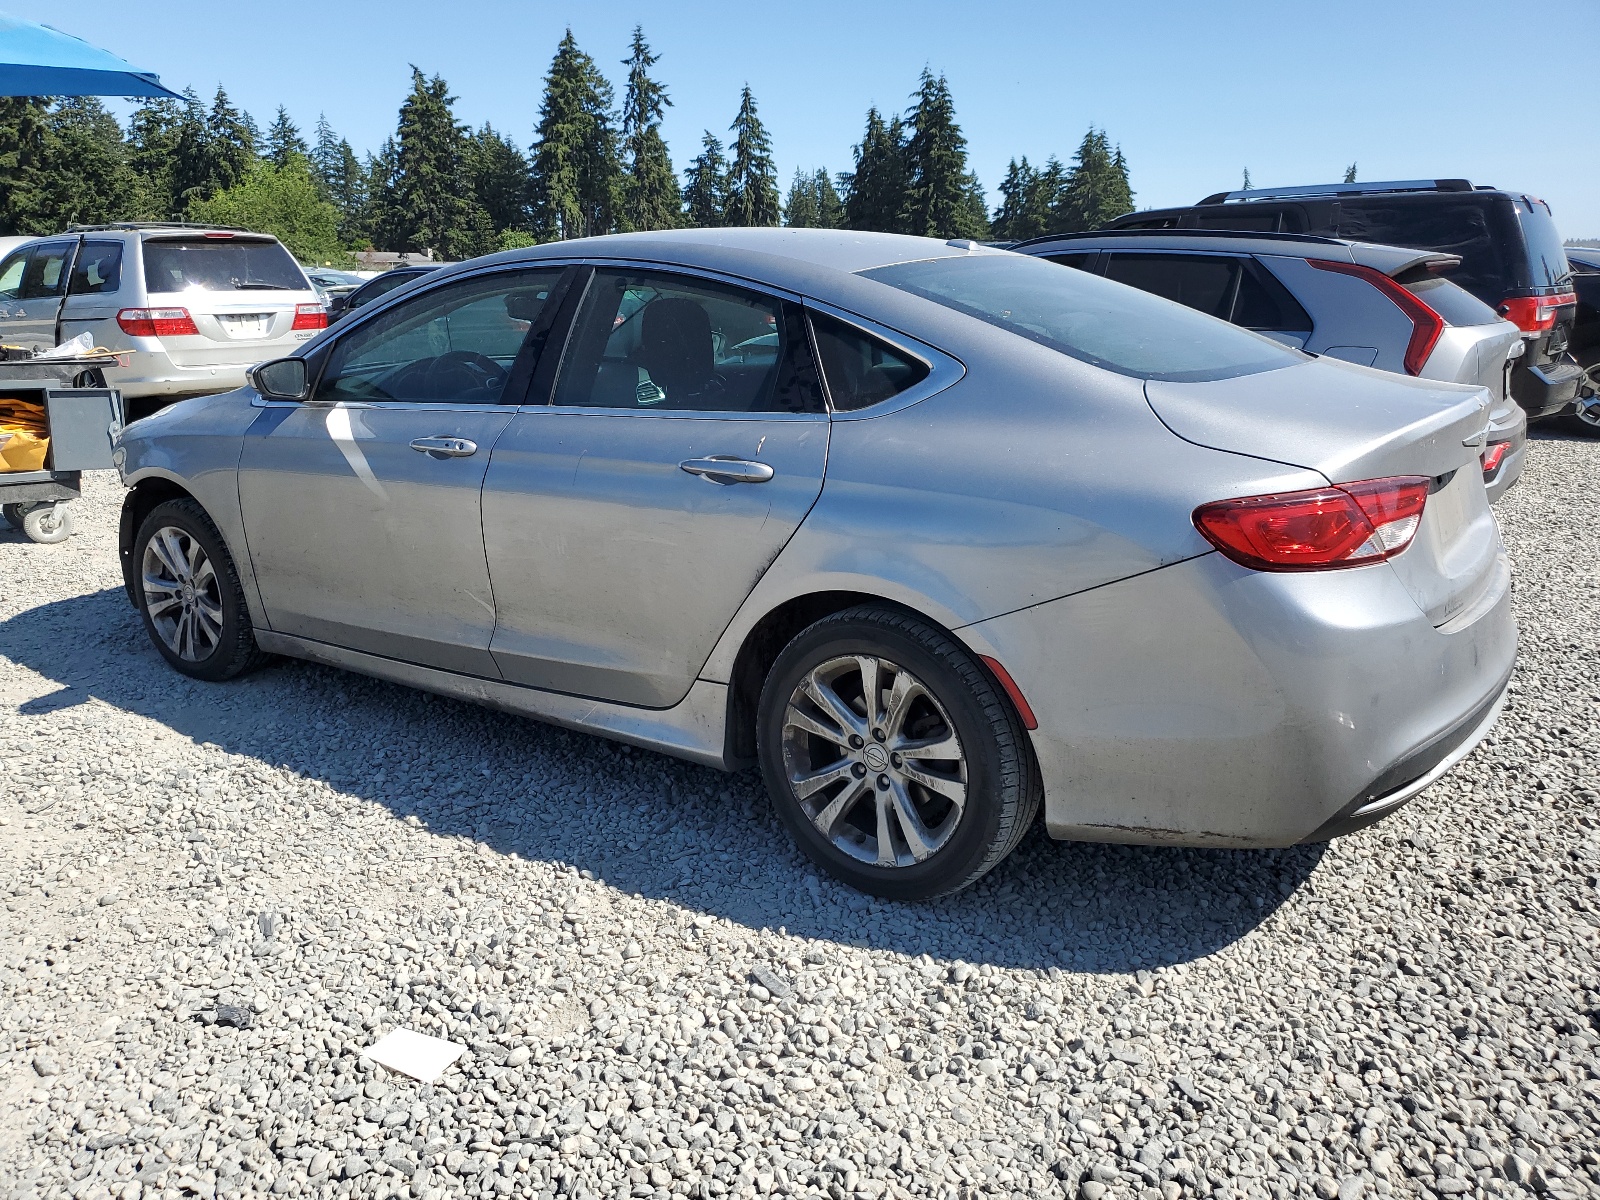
(242, 326)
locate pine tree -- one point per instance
(1017, 218)
(1350, 173)
(576, 180)
(348, 192)
(813, 203)
(1097, 188)
(152, 141)
(87, 177)
(428, 209)
(705, 190)
(379, 221)
(939, 190)
(650, 195)
(284, 139)
(191, 162)
(874, 193)
(1245, 186)
(230, 144)
(752, 178)
(324, 156)
(22, 163)
(497, 175)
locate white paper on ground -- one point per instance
(414, 1054)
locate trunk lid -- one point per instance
(1353, 423)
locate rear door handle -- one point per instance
(445, 447)
(721, 468)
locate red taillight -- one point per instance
(310, 316)
(157, 322)
(1318, 529)
(1535, 314)
(1493, 455)
(1426, 325)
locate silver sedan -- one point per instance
(931, 533)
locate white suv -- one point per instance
(195, 306)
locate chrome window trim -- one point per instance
(944, 370)
(260, 401)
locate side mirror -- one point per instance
(281, 379)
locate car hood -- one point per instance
(1344, 421)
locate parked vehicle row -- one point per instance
(933, 533)
(1512, 257)
(1376, 306)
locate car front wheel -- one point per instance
(893, 757)
(190, 596)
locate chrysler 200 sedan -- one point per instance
(932, 533)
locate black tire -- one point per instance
(235, 651)
(12, 514)
(998, 772)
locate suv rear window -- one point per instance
(1465, 227)
(220, 265)
(1547, 257)
(1089, 318)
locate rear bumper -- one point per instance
(1544, 391)
(1204, 704)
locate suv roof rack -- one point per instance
(116, 226)
(1343, 189)
(1315, 239)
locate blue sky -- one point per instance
(1193, 92)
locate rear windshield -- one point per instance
(1092, 319)
(1471, 228)
(220, 265)
(1547, 257)
(1454, 304)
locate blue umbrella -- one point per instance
(36, 60)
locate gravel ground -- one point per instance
(660, 997)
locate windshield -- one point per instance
(1094, 320)
(220, 265)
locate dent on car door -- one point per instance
(362, 506)
(627, 520)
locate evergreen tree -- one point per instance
(752, 195)
(379, 220)
(324, 156)
(705, 192)
(347, 191)
(284, 139)
(152, 152)
(576, 177)
(1350, 173)
(650, 196)
(230, 144)
(1097, 188)
(1027, 197)
(427, 210)
(22, 154)
(813, 203)
(1246, 185)
(191, 162)
(87, 177)
(940, 191)
(874, 193)
(497, 174)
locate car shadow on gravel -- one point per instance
(645, 823)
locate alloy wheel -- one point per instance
(182, 594)
(874, 760)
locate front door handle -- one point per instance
(445, 447)
(720, 468)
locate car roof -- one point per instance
(1391, 260)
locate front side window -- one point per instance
(648, 341)
(220, 264)
(11, 275)
(380, 286)
(1087, 317)
(452, 344)
(1203, 282)
(46, 273)
(98, 269)
(860, 369)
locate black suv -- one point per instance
(1511, 255)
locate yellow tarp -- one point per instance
(24, 436)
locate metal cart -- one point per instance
(83, 418)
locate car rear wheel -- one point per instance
(1585, 419)
(892, 756)
(190, 596)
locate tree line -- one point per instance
(593, 167)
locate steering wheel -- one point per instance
(451, 375)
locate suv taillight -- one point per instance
(1319, 529)
(1426, 325)
(1534, 314)
(1492, 457)
(310, 316)
(156, 322)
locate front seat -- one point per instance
(676, 348)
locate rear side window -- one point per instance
(220, 265)
(1251, 221)
(1454, 304)
(380, 286)
(1547, 257)
(1081, 261)
(1089, 318)
(859, 369)
(1466, 227)
(98, 269)
(1223, 286)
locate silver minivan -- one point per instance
(192, 307)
